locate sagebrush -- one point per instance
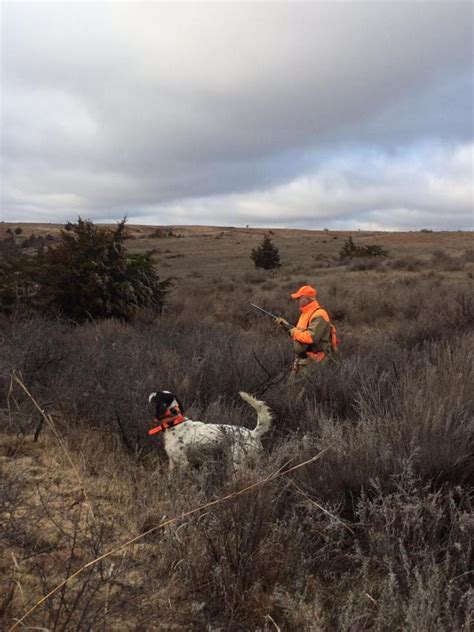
(375, 535)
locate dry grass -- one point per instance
(374, 536)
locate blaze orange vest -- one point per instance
(307, 316)
(315, 311)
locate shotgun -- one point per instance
(287, 326)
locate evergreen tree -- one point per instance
(373, 251)
(266, 255)
(89, 275)
(350, 250)
(16, 277)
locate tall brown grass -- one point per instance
(374, 536)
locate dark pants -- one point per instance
(301, 374)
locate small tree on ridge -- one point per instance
(266, 255)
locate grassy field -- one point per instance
(376, 534)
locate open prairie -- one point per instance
(225, 250)
(373, 534)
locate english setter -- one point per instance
(185, 439)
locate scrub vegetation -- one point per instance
(375, 534)
(88, 275)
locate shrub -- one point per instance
(33, 241)
(444, 261)
(159, 233)
(350, 250)
(87, 276)
(373, 251)
(364, 263)
(16, 278)
(372, 536)
(266, 255)
(254, 278)
(411, 264)
(469, 255)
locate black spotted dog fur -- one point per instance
(190, 439)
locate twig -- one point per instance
(303, 493)
(10, 396)
(38, 429)
(271, 380)
(213, 503)
(461, 575)
(270, 383)
(123, 436)
(50, 422)
(370, 598)
(277, 628)
(17, 583)
(231, 355)
(67, 535)
(261, 365)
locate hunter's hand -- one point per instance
(284, 324)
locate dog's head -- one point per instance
(164, 401)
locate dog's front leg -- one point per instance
(180, 461)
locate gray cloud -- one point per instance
(128, 107)
(357, 189)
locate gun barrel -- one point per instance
(287, 326)
(264, 311)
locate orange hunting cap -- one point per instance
(305, 290)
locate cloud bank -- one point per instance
(350, 115)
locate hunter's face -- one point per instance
(303, 301)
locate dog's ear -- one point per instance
(161, 406)
(159, 400)
(181, 407)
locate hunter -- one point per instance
(314, 337)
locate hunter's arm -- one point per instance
(314, 333)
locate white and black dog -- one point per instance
(185, 439)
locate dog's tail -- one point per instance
(264, 415)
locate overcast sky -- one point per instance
(313, 115)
